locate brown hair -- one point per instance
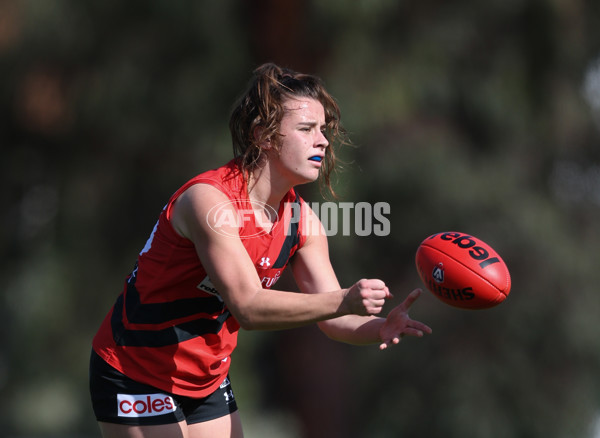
(262, 106)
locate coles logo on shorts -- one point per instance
(144, 405)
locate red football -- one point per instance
(462, 270)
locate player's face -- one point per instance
(302, 141)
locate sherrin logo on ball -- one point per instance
(462, 270)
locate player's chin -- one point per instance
(315, 178)
(308, 177)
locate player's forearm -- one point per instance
(275, 310)
(354, 329)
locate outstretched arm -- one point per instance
(314, 274)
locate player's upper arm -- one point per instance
(311, 265)
(221, 252)
(314, 273)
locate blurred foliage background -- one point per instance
(481, 117)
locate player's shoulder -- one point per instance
(192, 209)
(203, 192)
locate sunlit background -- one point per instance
(476, 116)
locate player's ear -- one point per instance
(262, 141)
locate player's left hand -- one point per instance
(398, 323)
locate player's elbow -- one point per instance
(330, 331)
(245, 310)
(246, 318)
(247, 323)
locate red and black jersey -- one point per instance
(169, 328)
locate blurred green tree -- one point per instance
(477, 117)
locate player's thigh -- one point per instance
(229, 426)
(173, 430)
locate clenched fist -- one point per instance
(366, 297)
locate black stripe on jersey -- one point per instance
(157, 313)
(292, 238)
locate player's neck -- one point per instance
(264, 186)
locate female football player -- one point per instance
(160, 359)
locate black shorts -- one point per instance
(118, 399)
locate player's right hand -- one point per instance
(366, 297)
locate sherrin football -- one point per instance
(462, 270)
